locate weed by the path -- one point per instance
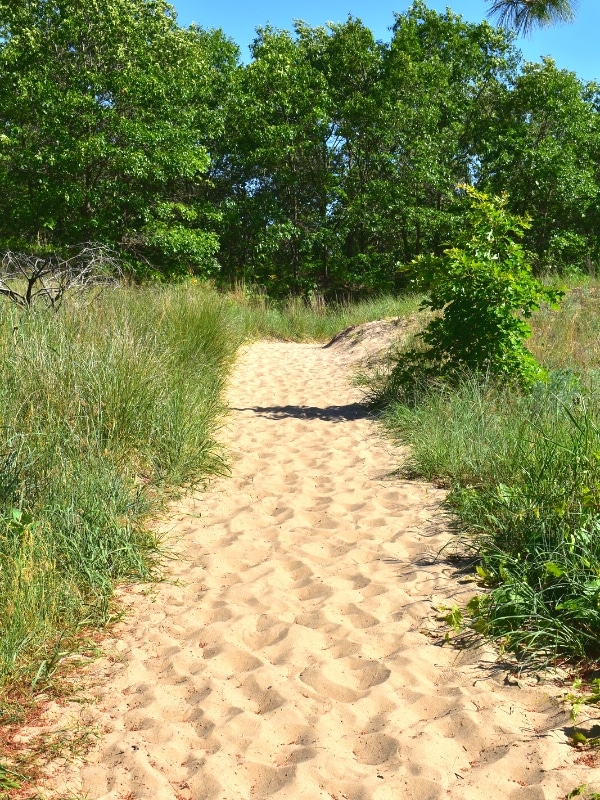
(24, 762)
(581, 791)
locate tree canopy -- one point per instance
(327, 163)
(107, 109)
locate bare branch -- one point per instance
(30, 280)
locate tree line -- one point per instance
(328, 162)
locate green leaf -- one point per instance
(553, 569)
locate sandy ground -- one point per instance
(292, 656)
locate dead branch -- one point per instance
(32, 280)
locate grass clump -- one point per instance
(524, 479)
(523, 472)
(105, 411)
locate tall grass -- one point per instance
(524, 478)
(105, 412)
(570, 338)
(296, 319)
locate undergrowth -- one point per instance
(105, 412)
(523, 473)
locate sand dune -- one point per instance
(290, 656)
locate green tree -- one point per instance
(405, 115)
(442, 72)
(277, 160)
(540, 144)
(353, 64)
(525, 15)
(107, 109)
(344, 152)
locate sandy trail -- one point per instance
(289, 659)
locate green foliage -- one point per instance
(107, 109)
(577, 792)
(524, 478)
(523, 472)
(279, 167)
(9, 779)
(344, 152)
(481, 291)
(325, 164)
(541, 147)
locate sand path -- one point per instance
(289, 658)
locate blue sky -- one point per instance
(575, 47)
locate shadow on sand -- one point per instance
(346, 413)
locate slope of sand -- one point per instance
(290, 656)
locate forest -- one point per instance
(327, 163)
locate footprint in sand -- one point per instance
(374, 748)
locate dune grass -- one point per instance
(105, 411)
(523, 472)
(298, 320)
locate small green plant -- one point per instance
(9, 779)
(580, 791)
(484, 288)
(576, 700)
(451, 615)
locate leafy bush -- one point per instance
(481, 291)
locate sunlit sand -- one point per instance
(293, 656)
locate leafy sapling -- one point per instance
(481, 291)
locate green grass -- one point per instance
(523, 472)
(297, 320)
(570, 338)
(105, 412)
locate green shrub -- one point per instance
(481, 291)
